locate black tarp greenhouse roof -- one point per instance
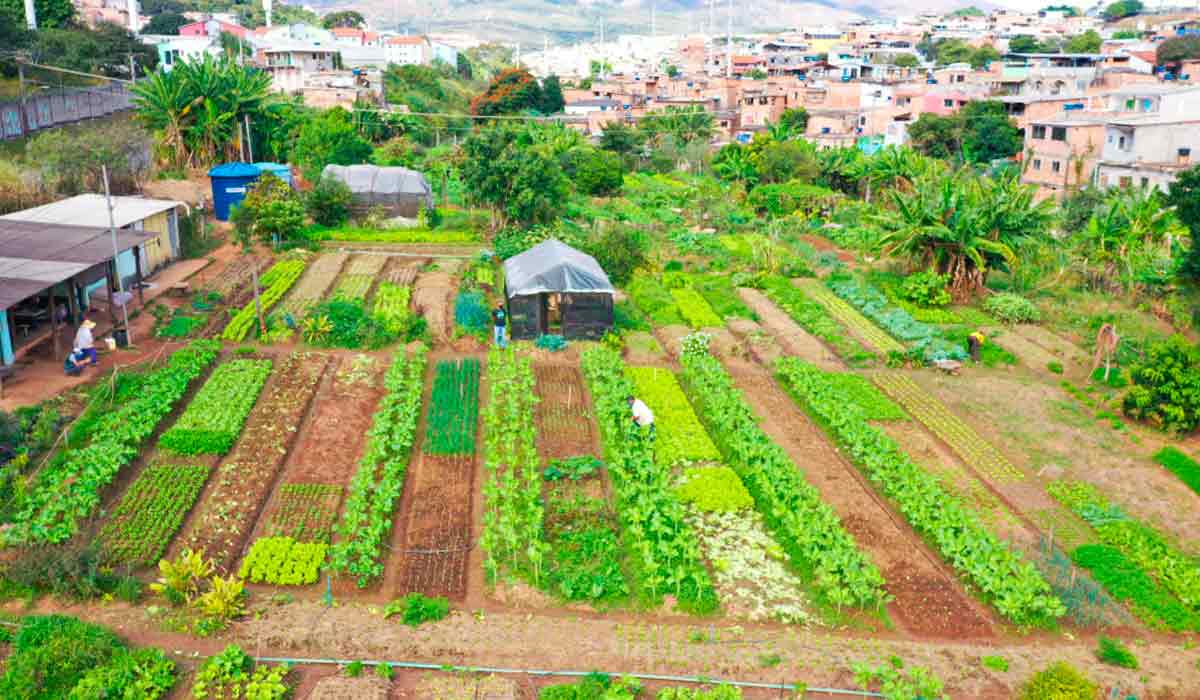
(554, 266)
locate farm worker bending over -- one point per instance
(500, 320)
(643, 417)
(975, 341)
(84, 343)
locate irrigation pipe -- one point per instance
(572, 674)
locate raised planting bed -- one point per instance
(401, 235)
(151, 512)
(511, 540)
(304, 512)
(679, 435)
(663, 552)
(314, 285)
(214, 418)
(566, 427)
(454, 408)
(275, 283)
(70, 488)
(933, 414)
(377, 485)
(816, 319)
(849, 317)
(694, 309)
(585, 557)
(437, 527)
(390, 306)
(926, 340)
(356, 282)
(283, 561)
(1007, 581)
(807, 528)
(236, 494)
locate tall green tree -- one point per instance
(512, 91)
(51, 14)
(1087, 42)
(1184, 195)
(521, 183)
(165, 23)
(1179, 48)
(685, 124)
(620, 138)
(343, 18)
(1122, 9)
(329, 139)
(552, 96)
(791, 125)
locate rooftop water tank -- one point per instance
(229, 182)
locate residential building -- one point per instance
(1062, 155)
(408, 50)
(212, 28)
(1148, 150)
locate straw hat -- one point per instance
(88, 323)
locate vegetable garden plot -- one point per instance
(377, 485)
(585, 555)
(403, 275)
(437, 534)
(314, 285)
(358, 279)
(511, 538)
(275, 283)
(934, 415)
(390, 306)
(214, 418)
(231, 503)
(694, 309)
(1009, 582)
(454, 408)
(304, 512)
(680, 437)
(150, 513)
(70, 487)
(793, 339)
(566, 427)
(236, 274)
(816, 319)
(849, 317)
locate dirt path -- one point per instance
(929, 601)
(1030, 354)
(793, 339)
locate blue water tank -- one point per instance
(229, 183)
(279, 170)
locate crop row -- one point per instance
(69, 489)
(314, 285)
(1181, 465)
(933, 414)
(849, 317)
(694, 309)
(379, 481)
(512, 539)
(391, 306)
(454, 408)
(1012, 584)
(654, 300)
(355, 283)
(151, 512)
(680, 436)
(926, 340)
(663, 551)
(276, 282)
(304, 512)
(283, 561)
(815, 319)
(214, 418)
(1144, 545)
(807, 527)
(874, 404)
(1126, 581)
(244, 479)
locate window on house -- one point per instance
(1121, 143)
(1055, 166)
(1145, 182)
(1058, 133)
(1037, 163)
(947, 103)
(1039, 132)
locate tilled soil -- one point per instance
(437, 528)
(793, 339)
(564, 417)
(928, 600)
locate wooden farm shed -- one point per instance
(553, 288)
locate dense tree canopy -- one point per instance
(1180, 48)
(552, 96)
(165, 23)
(329, 139)
(511, 92)
(51, 14)
(1123, 8)
(980, 132)
(1088, 42)
(343, 18)
(522, 183)
(1184, 195)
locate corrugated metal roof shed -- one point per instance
(91, 210)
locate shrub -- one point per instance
(995, 663)
(415, 609)
(551, 342)
(1114, 653)
(345, 323)
(1011, 308)
(791, 197)
(926, 289)
(1060, 681)
(619, 250)
(1166, 387)
(1055, 366)
(53, 653)
(595, 172)
(328, 203)
(271, 210)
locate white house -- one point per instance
(1148, 150)
(408, 50)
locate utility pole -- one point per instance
(24, 113)
(267, 8)
(132, 68)
(30, 15)
(131, 7)
(112, 230)
(729, 42)
(249, 143)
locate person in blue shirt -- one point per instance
(500, 323)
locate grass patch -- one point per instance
(1182, 466)
(319, 233)
(1112, 652)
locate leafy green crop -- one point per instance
(1181, 465)
(1126, 581)
(680, 436)
(379, 481)
(862, 393)
(305, 512)
(663, 552)
(283, 561)
(390, 307)
(816, 319)
(233, 674)
(276, 282)
(68, 490)
(695, 310)
(1010, 583)
(802, 523)
(454, 409)
(151, 512)
(213, 420)
(714, 489)
(925, 339)
(512, 538)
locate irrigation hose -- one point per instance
(705, 680)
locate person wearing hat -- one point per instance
(84, 343)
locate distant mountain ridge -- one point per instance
(532, 21)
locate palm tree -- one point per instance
(963, 225)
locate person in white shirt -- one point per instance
(643, 417)
(84, 343)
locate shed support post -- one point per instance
(112, 291)
(137, 267)
(72, 302)
(54, 326)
